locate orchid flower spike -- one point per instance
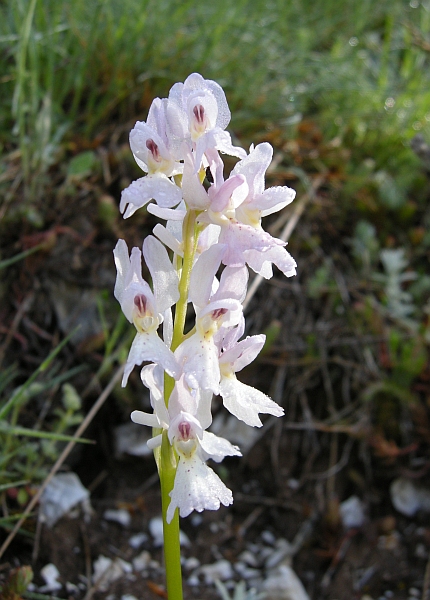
(199, 258)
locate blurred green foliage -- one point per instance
(361, 69)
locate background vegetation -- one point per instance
(342, 91)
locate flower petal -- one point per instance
(143, 418)
(149, 347)
(156, 187)
(196, 487)
(243, 353)
(164, 276)
(245, 402)
(199, 359)
(217, 448)
(203, 273)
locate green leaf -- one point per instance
(82, 164)
(58, 437)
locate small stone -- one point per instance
(352, 513)
(142, 561)
(221, 570)
(421, 551)
(249, 558)
(193, 580)
(106, 571)
(62, 493)
(156, 530)
(132, 440)
(283, 549)
(389, 542)
(408, 498)
(246, 572)
(268, 537)
(50, 574)
(136, 541)
(283, 584)
(191, 563)
(120, 516)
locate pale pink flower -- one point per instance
(144, 308)
(151, 149)
(197, 113)
(244, 401)
(217, 305)
(237, 207)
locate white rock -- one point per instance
(142, 561)
(130, 439)
(50, 574)
(268, 537)
(136, 541)
(62, 493)
(156, 530)
(193, 580)
(249, 558)
(246, 572)
(283, 584)
(191, 563)
(121, 516)
(128, 597)
(352, 513)
(106, 571)
(221, 570)
(408, 498)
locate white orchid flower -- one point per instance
(144, 308)
(197, 111)
(196, 486)
(150, 145)
(217, 305)
(244, 401)
(237, 207)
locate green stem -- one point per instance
(189, 236)
(167, 457)
(172, 548)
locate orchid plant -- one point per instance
(213, 232)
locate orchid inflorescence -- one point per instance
(212, 233)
